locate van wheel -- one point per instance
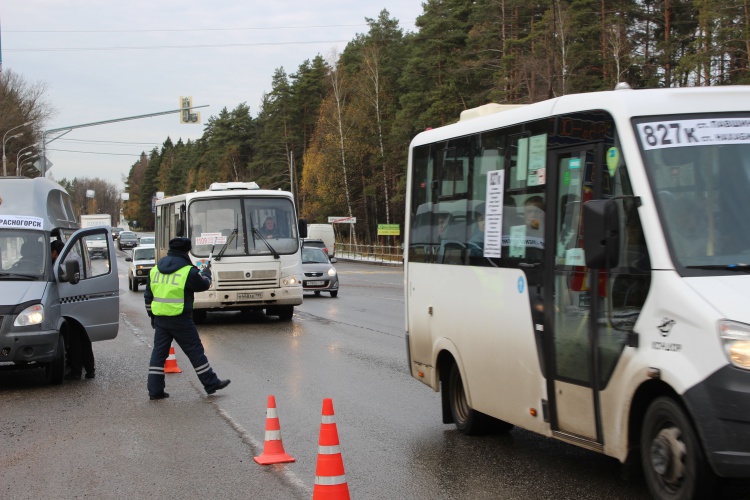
(469, 422)
(130, 283)
(671, 455)
(54, 371)
(135, 285)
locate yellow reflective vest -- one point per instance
(169, 291)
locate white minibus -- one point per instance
(580, 268)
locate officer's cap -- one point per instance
(180, 244)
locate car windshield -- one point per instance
(143, 254)
(313, 256)
(699, 167)
(149, 240)
(128, 236)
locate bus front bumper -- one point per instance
(231, 299)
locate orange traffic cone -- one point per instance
(273, 449)
(170, 366)
(330, 481)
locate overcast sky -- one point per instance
(105, 59)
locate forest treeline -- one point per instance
(336, 131)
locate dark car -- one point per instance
(320, 275)
(127, 239)
(116, 232)
(313, 243)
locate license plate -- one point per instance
(258, 295)
(315, 283)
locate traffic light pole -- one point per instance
(64, 130)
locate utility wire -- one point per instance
(191, 30)
(152, 47)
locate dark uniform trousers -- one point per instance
(80, 352)
(182, 329)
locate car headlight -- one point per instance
(332, 271)
(32, 315)
(736, 339)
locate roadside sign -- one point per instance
(389, 230)
(342, 220)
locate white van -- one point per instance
(40, 300)
(323, 232)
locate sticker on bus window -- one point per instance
(613, 160)
(680, 133)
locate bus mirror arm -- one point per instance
(601, 234)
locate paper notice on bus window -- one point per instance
(517, 241)
(537, 160)
(210, 239)
(522, 160)
(705, 132)
(493, 214)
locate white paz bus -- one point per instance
(580, 268)
(252, 238)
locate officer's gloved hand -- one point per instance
(151, 316)
(206, 273)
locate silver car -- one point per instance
(320, 275)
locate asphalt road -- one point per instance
(103, 438)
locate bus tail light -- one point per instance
(736, 338)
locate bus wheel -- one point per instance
(673, 461)
(285, 312)
(467, 421)
(54, 371)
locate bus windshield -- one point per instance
(24, 255)
(701, 188)
(247, 226)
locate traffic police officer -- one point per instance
(169, 299)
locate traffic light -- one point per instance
(186, 113)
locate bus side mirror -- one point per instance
(601, 234)
(180, 228)
(72, 272)
(302, 228)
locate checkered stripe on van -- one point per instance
(75, 298)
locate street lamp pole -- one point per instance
(5, 161)
(18, 157)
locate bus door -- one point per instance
(574, 298)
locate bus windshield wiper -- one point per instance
(224, 248)
(271, 248)
(739, 267)
(26, 277)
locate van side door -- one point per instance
(94, 301)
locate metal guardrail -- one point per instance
(370, 253)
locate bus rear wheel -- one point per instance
(673, 461)
(468, 421)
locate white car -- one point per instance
(97, 245)
(141, 263)
(147, 240)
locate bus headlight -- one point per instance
(736, 338)
(289, 281)
(32, 315)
